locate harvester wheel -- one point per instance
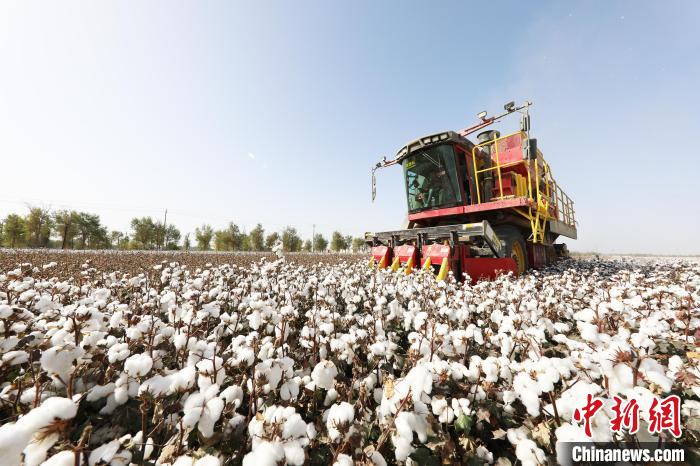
(514, 246)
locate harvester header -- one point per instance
(476, 209)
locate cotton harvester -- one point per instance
(480, 209)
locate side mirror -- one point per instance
(531, 148)
(525, 123)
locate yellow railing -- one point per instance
(498, 167)
(547, 202)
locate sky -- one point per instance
(274, 111)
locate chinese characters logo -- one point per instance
(663, 415)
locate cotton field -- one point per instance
(280, 362)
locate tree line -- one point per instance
(70, 229)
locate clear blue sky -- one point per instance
(275, 111)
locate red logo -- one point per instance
(592, 407)
(668, 417)
(663, 415)
(626, 416)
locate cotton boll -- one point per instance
(265, 454)
(568, 433)
(570, 399)
(407, 422)
(204, 409)
(5, 311)
(441, 409)
(118, 352)
(100, 391)
(105, 453)
(63, 458)
(290, 389)
(528, 453)
(35, 453)
(655, 373)
(232, 395)
(528, 392)
(483, 453)
(403, 447)
(343, 460)
(271, 371)
(14, 358)
(15, 436)
(340, 416)
(324, 374)
(420, 381)
(377, 459)
(138, 365)
(460, 406)
(209, 416)
(294, 453)
(59, 360)
(478, 336)
(148, 451)
(490, 370)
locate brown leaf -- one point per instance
(499, 434)
(389, 388)
(483, 415)
(541, 434)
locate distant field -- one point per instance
(69, 263)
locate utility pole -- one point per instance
(313, 238)
(165, 229)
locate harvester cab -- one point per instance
(476, 209)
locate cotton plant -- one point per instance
(283, 362)
(278, 434)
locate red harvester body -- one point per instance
(476, 209)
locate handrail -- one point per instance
(550, 203)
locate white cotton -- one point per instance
(340, 417)
(5, 311)
(63, 458)
(60, 360)
(528, 392)
(14, 437)
(148, 451)
(568, 433)
(265, 454)
(324, 374)
(408, 422)
(528, 453)
(290, 389)
(208, 460)
(100, 391)
(343, 460)
(377, 459)
(203, 409)
(179, 381)
(441, 409)
(402, 447)
(420, 380)
(232, 395)
(138, 365)
(118, 352)
(331, 396)
(13, 358)
(104, 453)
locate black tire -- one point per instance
(562, 251)
(513, 241)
